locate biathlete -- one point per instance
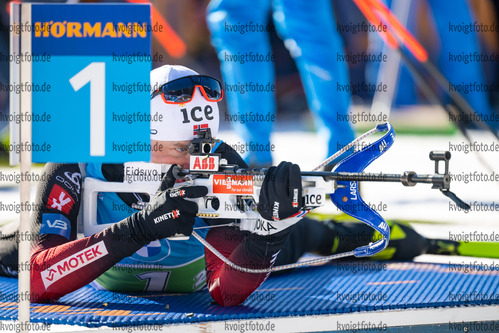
(133, 254)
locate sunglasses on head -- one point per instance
(181, 90)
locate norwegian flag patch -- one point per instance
(197, 128)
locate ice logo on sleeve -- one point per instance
(60, 200)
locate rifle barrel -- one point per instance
(408, 178)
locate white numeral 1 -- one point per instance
(95, 74)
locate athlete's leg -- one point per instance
(229, 286)
(236, 31)
(309, 32)
(330, 237)
(309, 236)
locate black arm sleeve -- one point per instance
(60, 187)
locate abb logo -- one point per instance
(73, 263)
(204, 163)
(60, 200)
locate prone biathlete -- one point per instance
(132, 253)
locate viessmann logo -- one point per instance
(73, 263)
(87, 29)
(233, 184)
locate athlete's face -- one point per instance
(182, 120)
(170, 152)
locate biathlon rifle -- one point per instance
(233, 192)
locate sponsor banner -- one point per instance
(233, 184)
(204, 163)
(73, 263)
(90, 29)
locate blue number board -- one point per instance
(90, 94)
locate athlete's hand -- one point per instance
(168, 180)
(281, 192)
(168, 213)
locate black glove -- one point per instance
(168, 213)
(168, 180)
(281, 192)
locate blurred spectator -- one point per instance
(240, 35)
(440, 25)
